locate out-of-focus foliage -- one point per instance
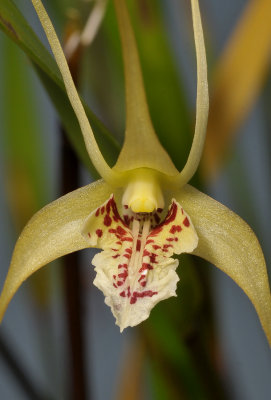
(24, 149)
(237, 80)
(26, 178)
(13, 23)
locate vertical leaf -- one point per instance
(238, 77)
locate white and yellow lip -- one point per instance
(136, 270)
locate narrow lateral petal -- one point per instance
(202, 101)
(51, 233)
(141, 146)
(228, 242)
(91, 145)
(135, 271)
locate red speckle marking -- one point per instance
(156, 247)
(156, 231)
(120, 230)
(146, 253)
(166, 246)
(127, 239)
(146, 266)
(136, 295)
(138, 245)
(99, 233)
(128, 250)
(115, 286)
(143, 283)
(153, 258)
(175, 228)
(171, 214)
(150, 241)
(116, 256)
(102, 210)
(97, 212)
(108, 204)
(107, 220)
(119, 283)
(125, 266)
(186, 222)
(89, 235)
(127, 256)
(123, 275)
(125, 293)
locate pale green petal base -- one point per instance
(51, 233)
(228, 242)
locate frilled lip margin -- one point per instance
(136, 270)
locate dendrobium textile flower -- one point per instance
(143, 211)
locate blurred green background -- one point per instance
(207, 343)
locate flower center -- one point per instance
(143, 193)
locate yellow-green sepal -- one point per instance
(229, 243)
(141, 147)
(52, 232)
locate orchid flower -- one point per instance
(142, 211)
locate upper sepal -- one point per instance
(141, 147)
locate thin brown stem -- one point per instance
(72, 270)
(72, 285)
